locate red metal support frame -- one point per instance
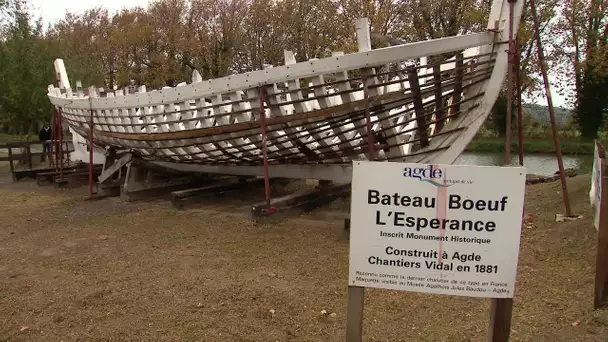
(501, 310)
(556, 142)
(60, 132)
(54, 128)
(520, 125)
(510, 54)
(51, 151)
(56, 142)
(91, 126)
(368, 120)
(269, 209)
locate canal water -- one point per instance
(538, 164)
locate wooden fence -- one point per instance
(20, 153)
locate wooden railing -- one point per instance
(20, 153)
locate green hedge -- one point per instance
(569, 146)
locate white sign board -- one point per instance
(445, 229)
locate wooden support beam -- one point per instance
(218, 188)
(303, 200)
(107, 173)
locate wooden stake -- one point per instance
(500, 320)
(354, 324)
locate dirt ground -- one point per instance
(113, 270)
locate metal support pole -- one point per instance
(556, 142)
(520, 125)
(91, 126)
(55, 130)
(262, 92)
(509, 87)
(56, 142)
(368, 120)
(502, 308)
(51, 151)
(60, 127)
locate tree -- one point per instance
(82, 41)
(585, 49)
(529, 67)
(25, 73)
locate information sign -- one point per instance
(445, 229)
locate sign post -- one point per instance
(443, 229)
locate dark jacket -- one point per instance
(45, 134)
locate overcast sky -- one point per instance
(53, 10)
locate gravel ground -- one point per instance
(111, 270)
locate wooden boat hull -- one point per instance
(423, 101)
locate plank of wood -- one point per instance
(122, 161)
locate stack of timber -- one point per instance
(537, 179)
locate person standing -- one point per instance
(45, 135)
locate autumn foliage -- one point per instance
(162, 44)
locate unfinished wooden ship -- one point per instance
(417, 102)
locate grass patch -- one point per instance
(4, 138)
(581, 147)
(4, 165)
(145, 270)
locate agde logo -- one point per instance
(425, 174)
